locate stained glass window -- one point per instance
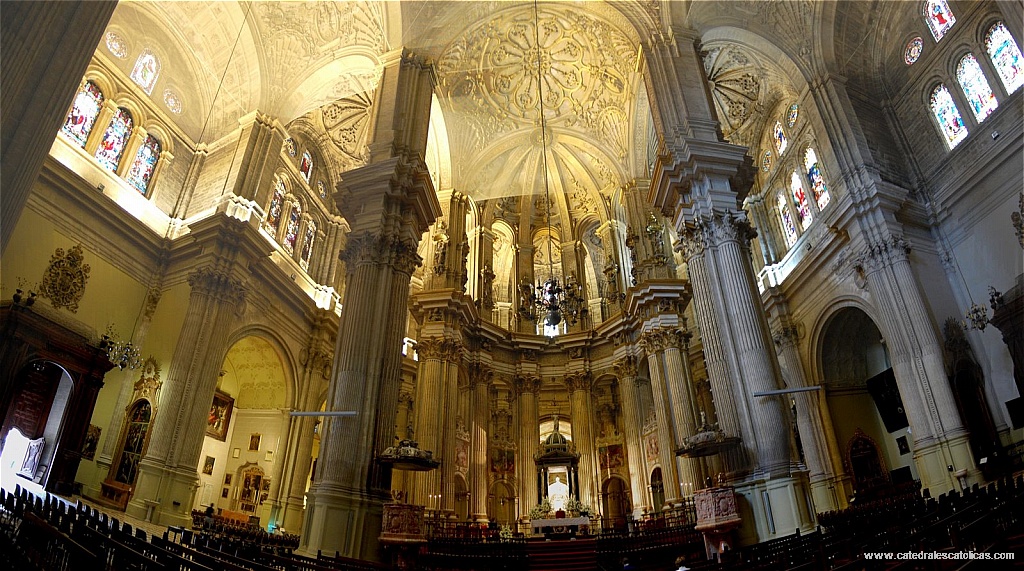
(780, 138)
(788, 228)
(948, 116)
(1005, 56)
(142, 167)
(114, 139)
(146, 70)
(291, 234)
(116, 45)
(792, 115)
(83, 113)
(972, 81)
(817, 181)
(803, 211)
(306, 165)
(172, 101)
(289, 146)
(939, 17)
(766, 161)
(273, 218)
(307, 245)
(321, 188)
(913, 51)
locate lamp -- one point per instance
(123, 354)
(552, 300)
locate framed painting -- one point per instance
(220, 416)
(208, 465)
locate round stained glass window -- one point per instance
(320, 186)
(766, 161)
(794, 112)
(172, 101)
(913, 51)
(116, 45)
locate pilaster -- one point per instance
(626, 369)
(579, 386)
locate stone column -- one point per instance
(940, 439)
(685, 413)
(632, 422)
(527, 388)
(316, 359)
(580, 407)
(389, 203)
(653, 343)
(44, 61)
(821, 473)
(429, 410)
(167, 473)
(479, 383)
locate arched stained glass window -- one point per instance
(976, 88)
(291, 234)
(142, 167)
(817, 181)
(948, 116)
(307, 245)
(1005, 56)
(780, 138)
(306, 165)
(939, 17)
(793, 115)
(803, 210)
(146, 70)
(913, 51)
(766, 161)
(273, 219)
(114, 139)
(83, 113)
(788, 228)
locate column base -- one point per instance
(828, 493)
(294, 514)
(164, 495)
(774, 508)
(342, 520)
(946, 465)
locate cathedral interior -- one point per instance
(305, 260)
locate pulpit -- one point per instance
(717, 518)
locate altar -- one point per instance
(561, 525)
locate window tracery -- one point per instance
(83, 113)
(976, 88)
(146, 70)
(818, 187)
(1005, 56)
(141, 171)
(948, 116)
(114, 139)
(939, 17)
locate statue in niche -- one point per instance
(440, 239)
(558, 493)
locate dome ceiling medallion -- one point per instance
(489, 80)
(736, 87)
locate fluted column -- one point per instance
(939, 436)
(527, 387)
(429, 410)
(316, 361)
(726, 395)
(389, 203)
(580, 407)
(167, 473)
(632, 421)
(684, 406)
(654, 345)
(809, 423)
(480, 383)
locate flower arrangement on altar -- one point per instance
(541, 510)
(575, 508)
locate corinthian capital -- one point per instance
(522, 384)
(882, 253)
(479, 374)
(439, 349)
(626, 367)
(581, 381)
(217, 284)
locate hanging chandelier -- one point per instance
(552, 300)
(123, 354)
